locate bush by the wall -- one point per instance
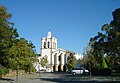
(3, 71)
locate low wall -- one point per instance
(14, 73)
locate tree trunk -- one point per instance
(17, 74)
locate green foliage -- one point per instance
(33, 69)
(71, 62)
(14, 51)
(3, 71)
(104, 65)
(44, 61)
(8, 36)
(104, 48)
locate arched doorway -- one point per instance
(54, 68)
(59, 68)
(64, 68)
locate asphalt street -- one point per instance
(57, 78)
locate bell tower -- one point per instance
(48, 46)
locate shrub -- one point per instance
(33, 69)
(3, 71)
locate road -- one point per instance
(56, 78)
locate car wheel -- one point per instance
(86, 73)
(74, 73)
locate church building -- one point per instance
(57, 57)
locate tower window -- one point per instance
(55, 45)
(44, 44)
(48, 44)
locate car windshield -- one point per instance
(81, 68)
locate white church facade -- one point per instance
(57, 57)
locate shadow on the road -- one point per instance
(70, 81)
(67, 77)
(6, 79)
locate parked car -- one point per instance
(80, 70)
(42, 70)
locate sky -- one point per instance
(72, 22)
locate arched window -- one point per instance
(59, 58)
(48, 44)
(55, 45)
(44, 44)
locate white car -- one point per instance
(81, 70)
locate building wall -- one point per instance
(46, 52)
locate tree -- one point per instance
(107, 43)
(112, 31)
(22, 55)
(44, 61)
(71, 62)
(14, 51)
(8, 36)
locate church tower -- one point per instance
(48, 45)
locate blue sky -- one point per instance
(73, 22)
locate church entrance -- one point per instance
(54, 68)
(64, 68)
(59, 68)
